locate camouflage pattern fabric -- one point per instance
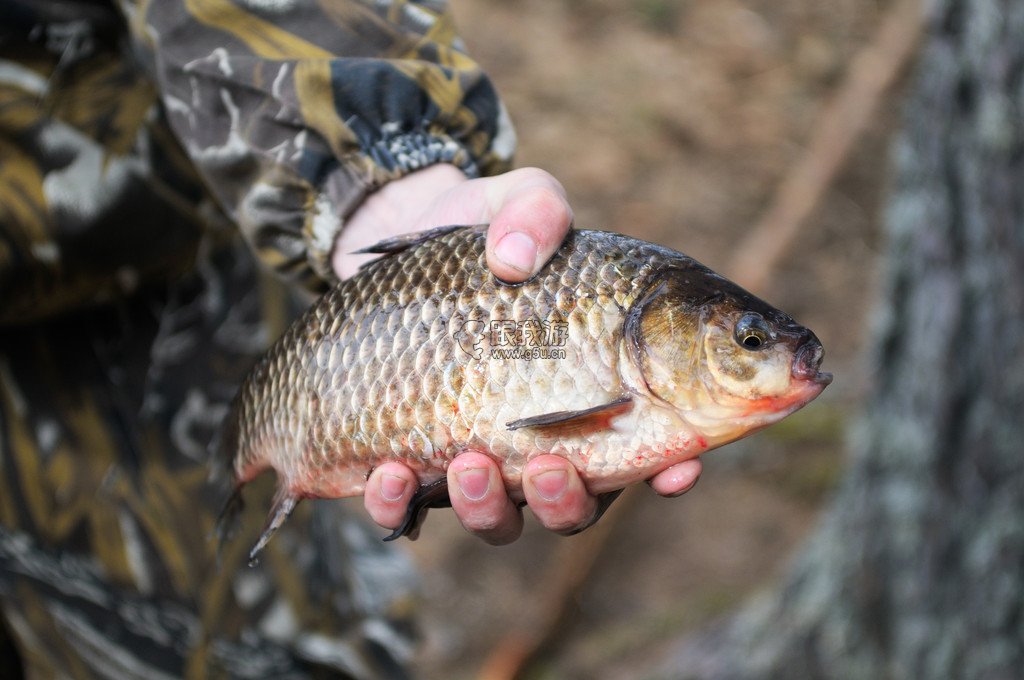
(143, 147)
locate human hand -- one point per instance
(529, 216)
(527, 210)
(551, 486)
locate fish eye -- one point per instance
(752, 331)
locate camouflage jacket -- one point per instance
(147, 150)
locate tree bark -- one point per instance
(917, 570)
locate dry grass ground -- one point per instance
(675, 121)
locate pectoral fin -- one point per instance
(596, 417)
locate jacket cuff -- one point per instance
(348, 182)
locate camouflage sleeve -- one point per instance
(294, 111)
(96, 198)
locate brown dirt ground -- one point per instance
(674, 121)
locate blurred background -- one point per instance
(675, 121)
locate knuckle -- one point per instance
(483, 524)
(495, 530)
(534, 175)
(568, 523)
(550, 203)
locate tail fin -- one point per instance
(227, 522)
(224, 451)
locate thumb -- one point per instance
(531, 220)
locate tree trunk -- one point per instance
(917, 570)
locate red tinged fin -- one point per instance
(595, 418)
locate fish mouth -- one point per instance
(807, 362)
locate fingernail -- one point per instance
(679, 493)
(392, 487)
(474, 483)
(551, 484)
(694, 483)
(517, 250)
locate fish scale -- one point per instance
(425, 354)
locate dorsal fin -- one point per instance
(397, 244)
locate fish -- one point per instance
(623, 356)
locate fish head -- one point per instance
(726, 361)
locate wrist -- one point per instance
(391, 210)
